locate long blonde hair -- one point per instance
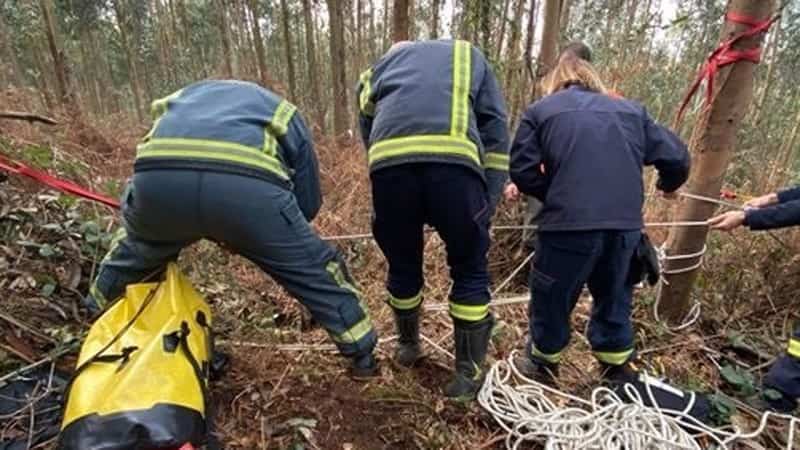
(572, 70)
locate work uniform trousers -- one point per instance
(163, 211)
(784, 375)
(563, 264)
(454, 201)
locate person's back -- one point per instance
(594, 149)
(433, 122)
(232, 162)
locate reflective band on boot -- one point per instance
(794, 348)
(405, 303)
(470, 313)
(552, 358)
(614, 358)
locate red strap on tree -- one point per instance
(725, 55)
(54, 182)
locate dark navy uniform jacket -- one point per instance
(785, 214)
(581, 153)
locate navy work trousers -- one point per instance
(564, 263)
(784, 375)
(166, 210)
(453, 200)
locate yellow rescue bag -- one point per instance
(142, 373)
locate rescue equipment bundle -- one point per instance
(142, 374)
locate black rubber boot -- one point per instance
(364, 367)
(472, 344)
(408, 349)
(621, 374)
(545, 373)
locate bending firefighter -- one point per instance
(433, 120)
(234, 163)
(581, 152)
(776, 210)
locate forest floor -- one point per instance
(278, 394)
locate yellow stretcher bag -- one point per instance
(142, 373)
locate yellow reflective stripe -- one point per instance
(270, 144)
(405, 303)
(157, 110)
(794, 348)
(280, 121)
(553, 358)
(214, 150)
(462, 74)
(614, 358)
(367, 107)
(426, 144)
(364, 326)
(98, 296)
(496, 161)
(471, 313)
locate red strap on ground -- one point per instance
(68, 187)
(725, 55)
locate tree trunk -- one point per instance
(133, 71)
(400, 21)
(498, 50)
(548, 53)
(373, 37)
(225, 38)
(7, 53)
(435, 11)
(781, 166)
(385, 30)
(311, 53)
(287, 37)
(338, 68)
(529, 77)
(713, 142)
(486, 26)
(512, 55)
(773, 61)
(564, 17)
(59, 64)
(258, 43)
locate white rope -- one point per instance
(694, 312)
(531, 412)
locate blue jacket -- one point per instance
(435, 101)
(234, 127)
(785, 214)
(581, 153)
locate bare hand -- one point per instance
(761, 202)
(511, 192)
(727, 221)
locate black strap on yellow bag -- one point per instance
(141, 380)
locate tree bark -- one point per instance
(435, 12)
(486, 26)
(400, 20)
(773, 61)
(548, 53)
(338, 68)
(287, 38)
(498, 50)
(563, 20)
(311, 54)
(512, 55)
(8, 54)
(59, 63)
(713, 143)
(258, 43)
(133, 72)
(225, 38)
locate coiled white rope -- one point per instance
(531, 412)
(694, 312)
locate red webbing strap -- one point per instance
(68, 187)
(725, 55)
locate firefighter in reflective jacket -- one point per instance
(232, 162)
(433, 120)
(776, 210)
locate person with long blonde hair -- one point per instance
(581, 152)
